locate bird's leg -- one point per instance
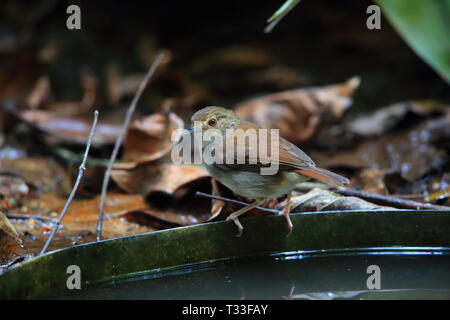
(286, 210)
(217, 205)
(235, 215)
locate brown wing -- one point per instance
(289, 155)
(293, 156)
(323, 175)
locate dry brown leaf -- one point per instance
(297, 113)
(372, 180)
(149, 138)
(40, 95)
(12, 185)
(184, 214)
(44, 174)
(149, 177)
(119, 86)
(387, 118)
(324, 200)
(78, 226)
(412, 153)
(70, 129)
(6, 226)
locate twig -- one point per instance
(29, 216)
(205, 195)
(274, 211)
(389, 200)
(81, 170)
(121, 137)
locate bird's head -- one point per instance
(213, 118)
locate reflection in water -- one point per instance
(376, 294)
(411, 274)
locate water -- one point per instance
(408, 274)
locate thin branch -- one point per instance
(205, 195)
(81, 170)
(274, 211)
(29, 216)
(389, 200)
(161, 56)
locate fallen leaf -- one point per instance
(387, 118)
(39, 96)
(6, 226)
(39, 93)
(148, 218)
(12, 185)
(78, 226)
(371, 180)
(297, 113)
(149, 138)
(324, 200)
(413, 153)
(46, 175)
(149, 177)
(70, 129)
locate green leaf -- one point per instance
(288, 5)
(425, 26)
(280, 13)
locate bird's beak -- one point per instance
(193, 129)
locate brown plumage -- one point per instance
(245, 179)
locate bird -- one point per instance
(245, 178)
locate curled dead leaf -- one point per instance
(413, 153)
(12, 185)
(149, 138)
(7, 226)
(297, 113)
(149, 177)
(43, 174)
(387, 118)
(324, 200)
(41, 92)
(69, 129)
(148, 218)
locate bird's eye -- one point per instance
(212, 122)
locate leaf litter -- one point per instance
(400, 150)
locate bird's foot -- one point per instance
(290, 225)
(238, 224)
(234, 216)
(286, 210)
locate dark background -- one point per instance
(325, 41)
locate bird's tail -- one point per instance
(324, 176)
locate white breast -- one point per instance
(254, 185)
